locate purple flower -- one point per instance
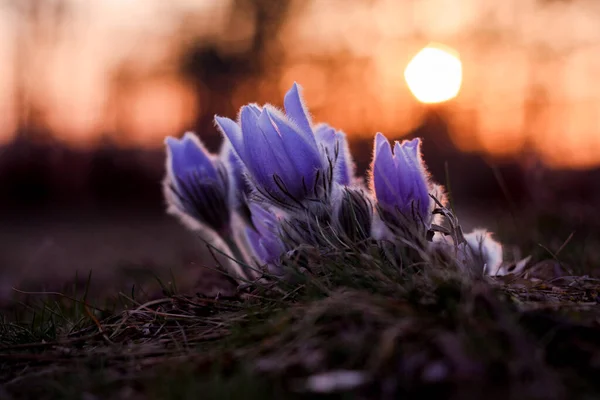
(197, 183)
(263, 237)
(399, 180)
(335, 147)
(279, 151)
(240, 189)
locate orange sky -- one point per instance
(530, 72)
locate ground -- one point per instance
(355, 324)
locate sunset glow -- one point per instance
(434, 75)
(515, 84)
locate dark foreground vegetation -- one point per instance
(359, 324)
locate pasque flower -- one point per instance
(197, 183)
(335, 146)
(239, 188)
(263, 236)
(399, 179)
(280, 151)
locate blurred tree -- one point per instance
(37, 28)
(216, 73)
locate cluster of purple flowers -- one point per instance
(280, 182)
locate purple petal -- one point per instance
(383, 172)
(273, 248)
(405, 176)
(254, 239)
(303, 156)
(411, 171)
(412, 148)
(260, 159)
(329, 139)
(236, 168)
(380, 141)
(297, 112)
(187, 156)
(265, 240)
(255, 108)
(421, 191)
(261, 218)
(249, 123)
(325, 135)
(232, 131)
(282, 165)
(344, 164)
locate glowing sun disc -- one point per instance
(434, 74)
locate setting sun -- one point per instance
(434, 74)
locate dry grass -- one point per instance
(353, 324)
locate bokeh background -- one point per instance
(90, 88)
